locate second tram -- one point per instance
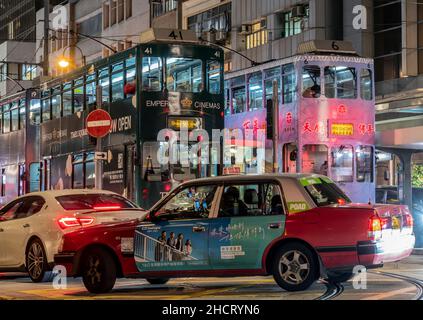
(326, 117)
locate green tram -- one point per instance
(156, 86)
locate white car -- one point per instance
(32, 226)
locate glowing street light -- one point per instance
(63, 63)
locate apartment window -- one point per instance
(3, 72)
(28, 72)
(388, 39)
(128, 9)
(293, 25)
(120, 10)
(53, 41)
(113, 12)
(106, 15)
(258, 35)
(218, 18)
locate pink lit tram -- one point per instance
(326, 116)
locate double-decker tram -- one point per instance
(168, 86)
(19, 156)
(326, 116)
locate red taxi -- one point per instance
(298, 228)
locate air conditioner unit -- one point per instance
(298, 11)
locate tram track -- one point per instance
(334, 290)
(416, 282)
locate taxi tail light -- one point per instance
(375, 227)
(74, 222)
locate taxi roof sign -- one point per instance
(168, 35)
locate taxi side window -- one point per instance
(246, 200)
(190, 203)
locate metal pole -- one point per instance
(46, 37)
(275, 126)
(98, 162)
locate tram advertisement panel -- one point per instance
(69, 134)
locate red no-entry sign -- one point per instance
(99, 123)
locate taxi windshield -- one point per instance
(324, 192)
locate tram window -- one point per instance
(340, 82)
(238, 100)
(56, 104)
(90, 91)
(105, 84)
(153, 171)
(255, 90)
(89, 171)
(269, 87)
(315, 159)
(78, 172)
(152, 74)
(67, 103)
(46, 109)
(184, 75)
(130, 62)
(214, 74)
(311, 81)
(364, 160)
(289, 83)
(22, 114)
(117, 67)
(227, 100)
(342, 164)
(366, 84)
(15, 118)
(35, 114)
(117, 86)
(78, 99)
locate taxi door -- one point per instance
(249, 218)
(176, 237)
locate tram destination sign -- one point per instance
(342, 129)
(99, 123)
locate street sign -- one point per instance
(98, 123)
(100, 156)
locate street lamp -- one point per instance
(65, 62)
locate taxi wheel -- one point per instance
(158, 280)
(294, 267)
(36, 262)
(339, 277)
(98, 271)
